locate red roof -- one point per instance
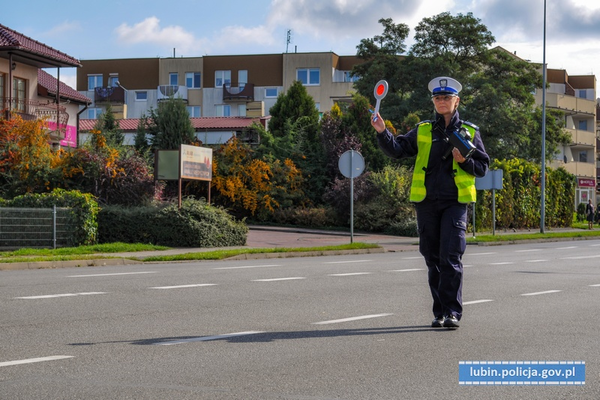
(18, 43)
(199, 124)
(48, 82)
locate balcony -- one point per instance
(113, 95)
(165, 92)
(577, 168)
(235, 94)
(35, 109)
(568, 104)
(582, 138)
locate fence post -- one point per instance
(54, 226)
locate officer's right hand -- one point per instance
(377, 123)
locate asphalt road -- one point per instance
(338, 327)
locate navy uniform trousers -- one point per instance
(442, 228)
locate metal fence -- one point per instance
(36, 227)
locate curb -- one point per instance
(67, 264)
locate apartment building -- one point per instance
(31, 92)
(575, 96)
(243, 86)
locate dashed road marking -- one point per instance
(207, 338)
(292, 278)
(466, 303)
(351, 274)
(114, 274)
(52, 296)
(250, 266)
(347, 262)
(184, 286)
(33, 360)
(538, 293)
(409, 270)
(338, 321)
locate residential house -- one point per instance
(28, 91)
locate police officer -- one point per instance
(443, 184)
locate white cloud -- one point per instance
(150, 31)
(65, 27)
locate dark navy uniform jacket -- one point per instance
(439, 179)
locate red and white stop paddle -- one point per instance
(381, 89)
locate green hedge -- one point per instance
(196, 224)
(84, 211)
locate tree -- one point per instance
(108, 124)
(294, 134)
(169, 125)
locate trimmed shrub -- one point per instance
(196, 224)
(84, 210)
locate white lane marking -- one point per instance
(527, 250)
(351, 274)
(207, 338)
(566, 248)
(52, 296)
(184, 286)
(250, 266)
(337, 321)
(477, 301)
(580, 257)
(597, 285)
(411, 258)
(594, 245)
(482, 254)
(467, 266)
(279, 279)
(408, 270)
(347, 262)
(33, 360)
(115, 274)
(535, 261)
(538, 293)
(503, 263)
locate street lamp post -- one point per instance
(543, 197)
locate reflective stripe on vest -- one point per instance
(464, 181)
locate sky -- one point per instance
(111, 29)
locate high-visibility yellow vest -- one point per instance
(464, 181)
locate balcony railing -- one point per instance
(165, 92)
(114, 94)
(34, 109)
(235, 94)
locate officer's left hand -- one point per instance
(457, 156)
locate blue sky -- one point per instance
(148, 28)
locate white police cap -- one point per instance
(444, 85)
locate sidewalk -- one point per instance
(258, 237)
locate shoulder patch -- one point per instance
(472, 125)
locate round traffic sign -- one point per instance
(351, 164)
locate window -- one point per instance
(224, 111)
(241, 110)
(222, 78)
(194, 111)
(349, 78)
(242, 78)
(112, 80)
(141, 96)
(192, 80)
(18, 96)
(583, 94)
(94, 81)
(309, 76)
(583, 156)
(271, 92)
(583, 125)
(93, 113)
(173, 79)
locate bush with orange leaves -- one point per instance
(253, 187)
